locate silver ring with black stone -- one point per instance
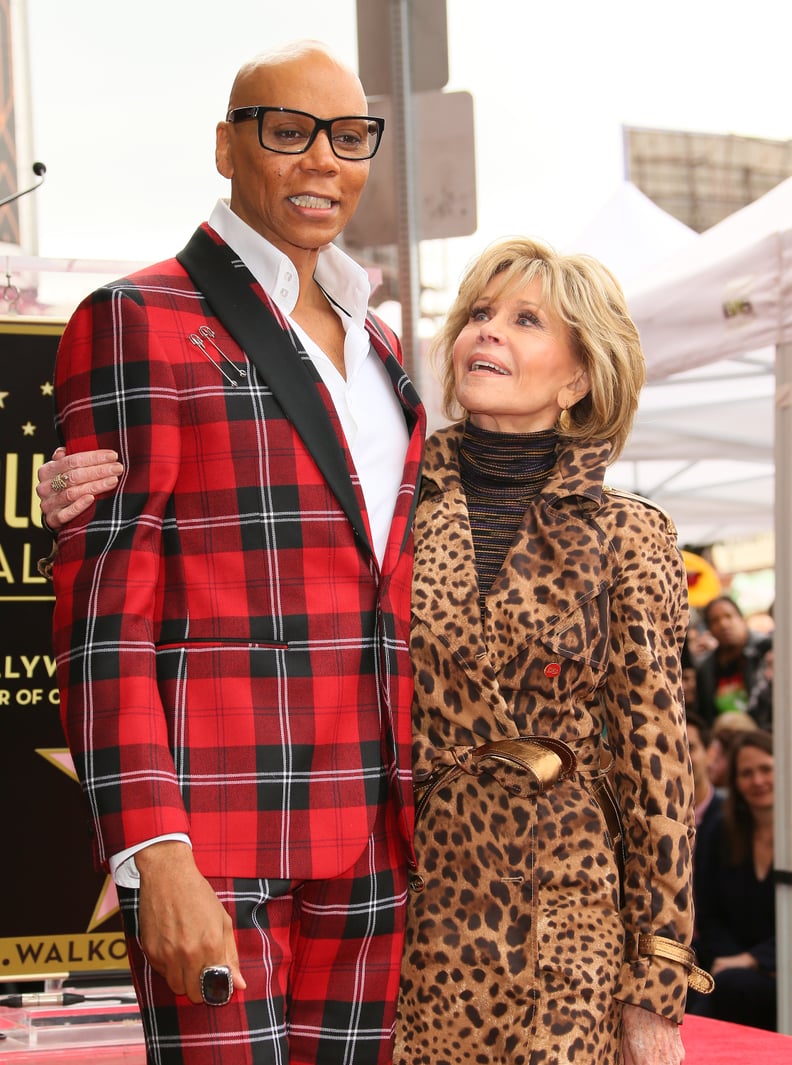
(217, 985)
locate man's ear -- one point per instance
(223, 159)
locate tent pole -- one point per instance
(782, 684)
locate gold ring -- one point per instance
(59, 482)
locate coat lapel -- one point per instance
(556, 562)
(554, 565)
(445, 586)
(235, 298)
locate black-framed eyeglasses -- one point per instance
(293, 132)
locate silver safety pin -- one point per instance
(205, 331)
(198, 341)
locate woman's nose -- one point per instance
(491, 329)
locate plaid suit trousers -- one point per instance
(321, 961)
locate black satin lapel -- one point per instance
(402, 384)
(412, 406)
(226, 285)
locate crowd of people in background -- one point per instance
(728, 682)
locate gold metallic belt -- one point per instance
(539, 761)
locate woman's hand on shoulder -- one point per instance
(68, 484)
(649, 1039)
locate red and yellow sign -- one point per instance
(703, 581)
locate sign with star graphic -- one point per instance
(58, 914)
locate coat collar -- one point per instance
(579, 471)
(554, 564)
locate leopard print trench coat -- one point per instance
(521, 942)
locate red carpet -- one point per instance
(706, 1043)
(718, 1043)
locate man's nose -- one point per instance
(321, 154)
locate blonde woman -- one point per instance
(547, 612)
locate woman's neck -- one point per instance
(763, 823)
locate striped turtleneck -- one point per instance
(501, 473)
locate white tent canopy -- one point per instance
(631, 234)
(702, 444)
(702, 447)
(725, 296)
(717, 304)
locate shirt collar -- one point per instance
(344, 281)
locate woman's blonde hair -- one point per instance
(584, 295)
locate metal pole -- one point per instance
(782, 684)
(20, 45)
(404, 159)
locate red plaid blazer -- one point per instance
(232, 661)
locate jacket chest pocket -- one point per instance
(570, 654)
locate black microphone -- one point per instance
(59, 998)
(40, 171)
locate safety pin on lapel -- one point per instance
(198, 341)
(205, 331)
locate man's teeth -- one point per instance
(311, 201)
(480, 364)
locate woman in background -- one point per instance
(722, 734)
(735, 900)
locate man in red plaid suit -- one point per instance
(231, 621)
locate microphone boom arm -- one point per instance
(40, 171)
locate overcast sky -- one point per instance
(125, 99)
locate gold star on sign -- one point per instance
(47, 389)
(3, 397)
(28, 429)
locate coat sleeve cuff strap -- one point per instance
(698, 979)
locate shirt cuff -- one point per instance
(123, 867)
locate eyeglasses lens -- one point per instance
(291, 132)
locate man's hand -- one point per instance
(649, 1039)
(183, 924)
(68, 484)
